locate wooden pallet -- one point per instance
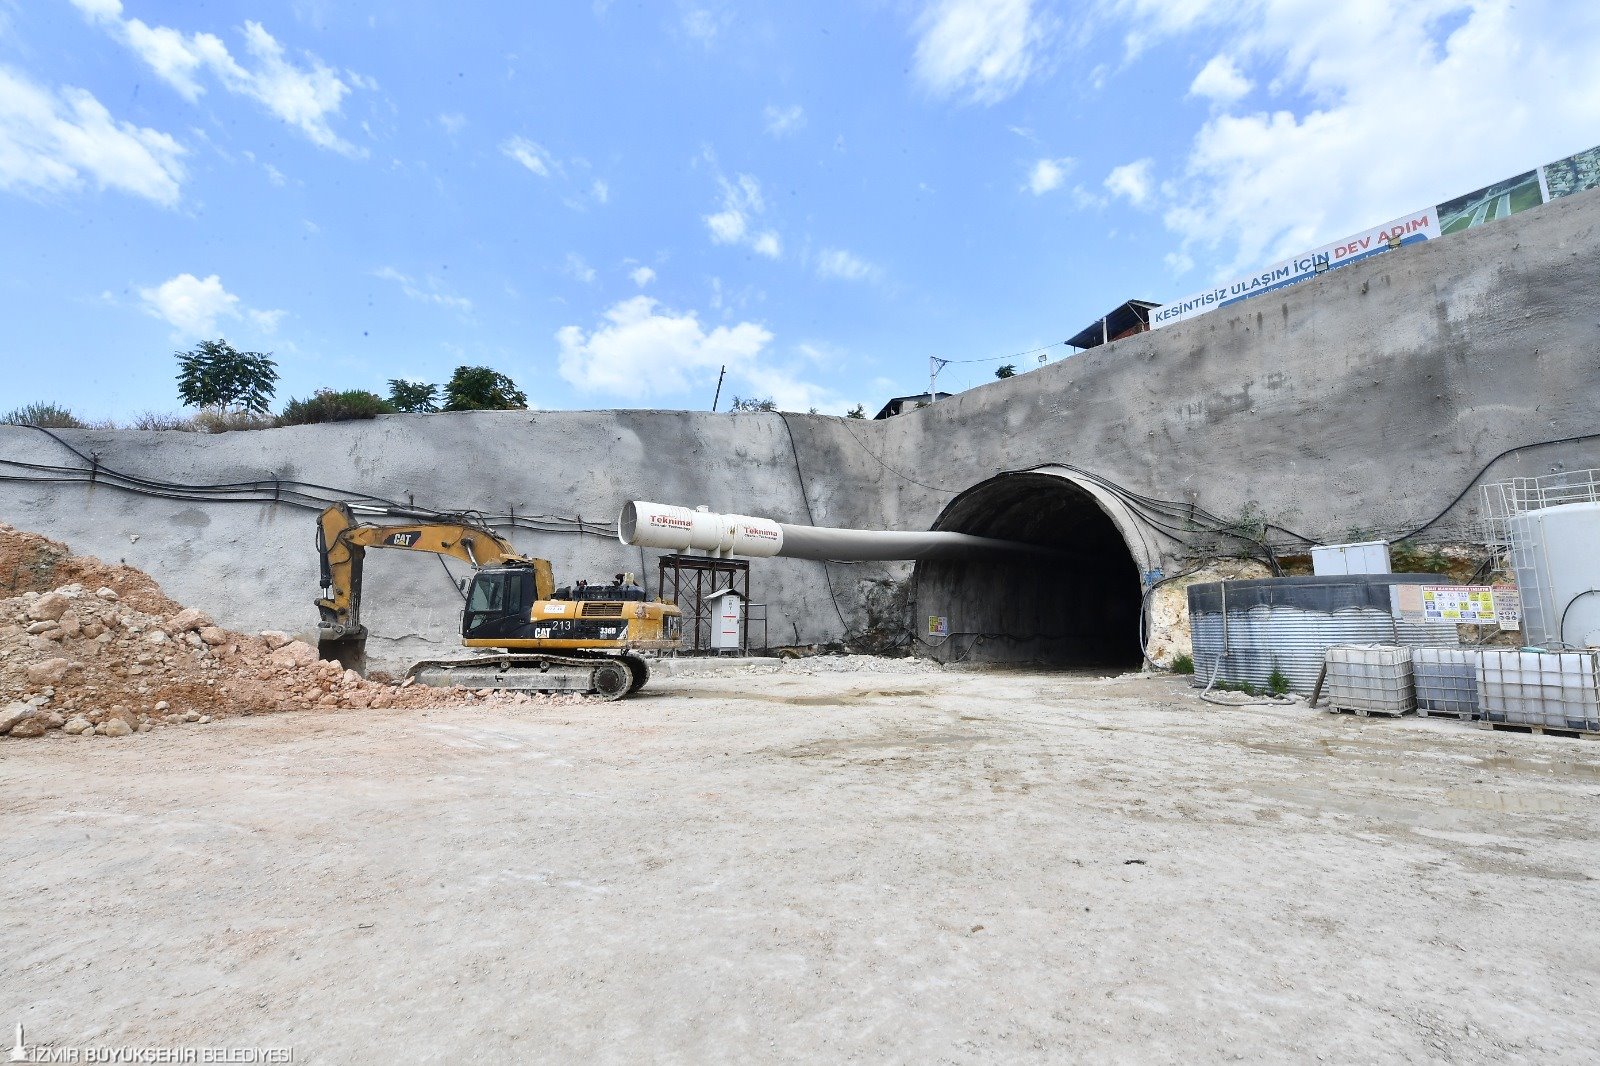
(1364, 713)
(1464, 716)
(1539, 730)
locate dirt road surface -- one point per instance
(915, 865)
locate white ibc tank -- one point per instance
(1556, 552)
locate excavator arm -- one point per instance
(342, 544)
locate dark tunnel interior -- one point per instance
(1078, 608)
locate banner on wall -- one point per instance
(1417, 226)
(1574, 174)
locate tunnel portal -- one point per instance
(1076, 605)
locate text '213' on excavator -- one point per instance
(582, 638)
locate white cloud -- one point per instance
(741, 205)
(265, 321)
(601, 190)
(702, 25)
(1220, 80)
(306, 96)
(767, 243)
(1378, 110)
(52, 142)
(784, 120)
(453, 122)
(845, 265)
(1131, 180)
(1048, 175)
(984, 49)
(642, 276)
(434, 293)
(529, 154)
(643, 351)
(577, 268)
(194, 306)
(103, 9)
(275, 175)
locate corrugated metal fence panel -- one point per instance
(1287, 639)
(1286, 624)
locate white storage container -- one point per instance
(1375, 678)
(1367, 557)
(1446, 680)
(1556, 554)
(1560, 690)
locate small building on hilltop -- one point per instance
(1122, 321)
(900, 404)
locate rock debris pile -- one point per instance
(92, 649)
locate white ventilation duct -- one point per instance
(660, 525)
(656, 525)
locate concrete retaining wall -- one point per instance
(1363, 400)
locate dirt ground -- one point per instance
(913, 865)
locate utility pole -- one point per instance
(718, 396)
(935, 364)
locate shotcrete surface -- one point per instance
(1362, 401)
(812, 863)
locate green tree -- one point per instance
(217, 375)
(856, 412)
(478, 388)
(413, 397)
(752, 404)
(1007, 371)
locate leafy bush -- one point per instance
(413, 397)
(213, 420)
(1277, 683)
(1409, 558)
(856, 412)
(215, 375)
(1009, 370)
(752, 404)
(478, 388)
(156, 420)
(45, 415)
(325, 405)
(1182, 664)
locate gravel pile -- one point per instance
(106, 653)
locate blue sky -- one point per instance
(608, 201)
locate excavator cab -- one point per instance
(499, 604)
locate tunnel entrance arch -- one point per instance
(1078, 608)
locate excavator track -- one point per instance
(611, 677)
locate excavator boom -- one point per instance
(342, 544)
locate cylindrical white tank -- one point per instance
(1556, 554)
(660, 525)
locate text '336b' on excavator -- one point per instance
(585, 638)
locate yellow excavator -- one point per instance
(580, 638)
